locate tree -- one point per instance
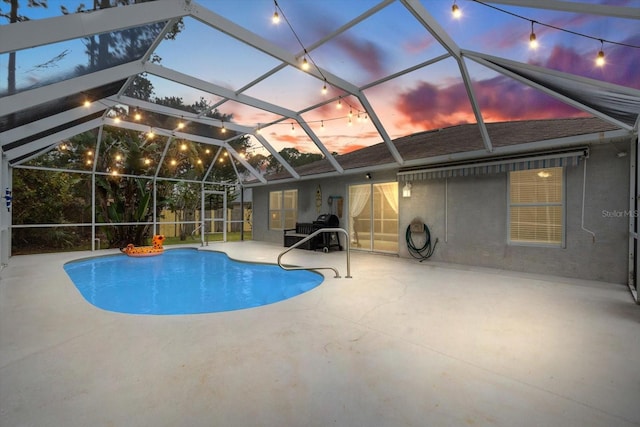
(293, 157)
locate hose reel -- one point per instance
(424, 252)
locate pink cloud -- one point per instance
(622, 65)
(365, 53)
(426, 106)
(500, 99)
(415, 46)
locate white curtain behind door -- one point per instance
(358, 198)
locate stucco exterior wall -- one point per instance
(468, 216)
(471, 221)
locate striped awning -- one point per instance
(496, 165)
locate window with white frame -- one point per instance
(536, 206)
(283, 209)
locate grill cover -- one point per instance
(327, 220)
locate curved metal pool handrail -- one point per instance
(309, 237)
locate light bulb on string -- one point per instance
(305, 63)
(324, 88)
(533, 42)
(275, 18)
(87, 103)
(455, 10)
(150, 134)
(293, 129)
(223, 129)
(339, 103)
(136, 115)
(600, 58)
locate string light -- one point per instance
(305, 63)
(173, 162)
(150, 134)
(183, 147)
(533, 43)
(455, 10)
(223, 129)
(118, 157)
(600, 58)
(147, 161)
(339, 103)
(293, 129)
(137, 116)
(275, 18)
(87, 103)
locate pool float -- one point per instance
(142, 251)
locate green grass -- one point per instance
(85, 246)
(231, 237)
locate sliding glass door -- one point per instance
(373, 216)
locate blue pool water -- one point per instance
(184, 281)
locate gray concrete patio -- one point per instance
(402, 343)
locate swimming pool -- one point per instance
(184, 281)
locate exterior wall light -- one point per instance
(406, 190)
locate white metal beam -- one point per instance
(172, 112)
(52, 139)
(277, 156)
(466, 78)
(41, 32)
(420, 13)
(200, 84)
(47, 123)
(41, 95)
(320, 145)
(575, 7)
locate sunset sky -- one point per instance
(388, 42)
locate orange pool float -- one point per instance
(144, 251)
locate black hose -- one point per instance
(426, 250)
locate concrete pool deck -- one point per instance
(401, 343)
